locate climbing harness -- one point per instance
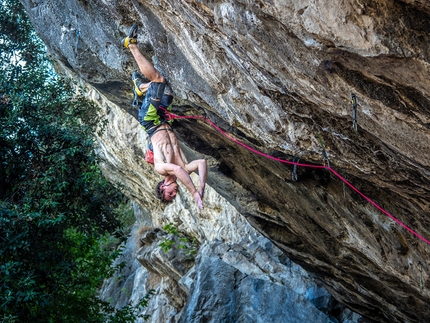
(135, 101)
(294, 176)
(77, 40)
(325, 158)
(420, 268)
(354, 112)
(171, 116)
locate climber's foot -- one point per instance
(131, 38)
(137, 80)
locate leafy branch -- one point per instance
(190, 247)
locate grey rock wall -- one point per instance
(278, 75)
(246, 279)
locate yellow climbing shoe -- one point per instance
(131, 38)
(127, 41)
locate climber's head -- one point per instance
(167, 189)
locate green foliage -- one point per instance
(125, 215)
(166, 244)
(57, 211)
(190, 247)
(130, 312)
(171, 228)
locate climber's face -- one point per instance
(170, 188)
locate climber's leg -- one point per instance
(145, 66)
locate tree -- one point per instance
(55, 205)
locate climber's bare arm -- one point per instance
(181, 174)
(199, 165)
(184, 159)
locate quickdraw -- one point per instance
(344, 190)
(77, 40)
(294, 176)
(354, 112)
(325, 158)
(420, 268)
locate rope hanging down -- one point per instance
(326, 166)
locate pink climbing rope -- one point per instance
(377, 206)
(174, 116)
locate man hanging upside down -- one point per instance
(169, 160)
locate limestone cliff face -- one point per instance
(278, 76)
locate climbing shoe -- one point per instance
(137, 80)
(131, 38)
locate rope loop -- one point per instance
(325, 166)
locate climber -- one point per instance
(169, 160)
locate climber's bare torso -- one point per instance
(166, 149)
(170, 161)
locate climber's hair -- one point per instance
(159, 192)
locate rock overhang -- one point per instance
(277, 75)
